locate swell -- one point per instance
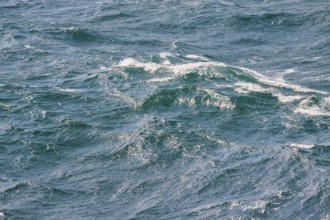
(245, 105)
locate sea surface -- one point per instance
(165, 109)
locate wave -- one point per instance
(199, 81)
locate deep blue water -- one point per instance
(197, 109)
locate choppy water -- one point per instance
(198, 109)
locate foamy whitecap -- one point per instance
(215, 100)
(218, 100)
(243, 87)
(312, 111)
(308, 107)
(164, 79)
(130, 62)
(166, 62)
(302, 146)
(288, 71)
(193, 56)
(280, 82)
(327, 102)
(214, 139)
(4, 128)
(174, 68)
(259, 205)
(27, 46)
(67, 90)
(285, 99)
(227, 3)
(327, 217)
(5, 106)
(165, 55)
(70, 29)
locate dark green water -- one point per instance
(164, 109)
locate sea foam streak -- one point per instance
(280, 83)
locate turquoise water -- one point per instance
(164, 109)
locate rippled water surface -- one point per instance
(197, 109)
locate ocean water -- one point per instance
(196, 109)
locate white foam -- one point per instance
(175, 68)
(289, 71)
(327, 102)
(218, 99)
(193, 56)
(281, 74)
(307, 107)
(27, 46)
(190, 102)
(166, 62)
(256, 205)
(280, 82)
(67, 90)
(243, 87)
(285, 99)
(214, 139)
(165, 79)
(70, 29)
(5, 106)
(130, 62)
(227, 3)
(2, 215)
(165, 55)
(327, 217)
(302, 146)
(312, 111)
(173, 44)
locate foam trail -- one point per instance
(280, 83)
(243, 87)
